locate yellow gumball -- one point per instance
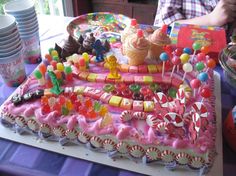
(60, 66)
(54, 53)
(184, 58)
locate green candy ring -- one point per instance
(154, 87)
(108, 88)
(134, 87)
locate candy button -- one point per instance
(137, 96)
(134, 87)
(108, 88)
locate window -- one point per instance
(49, 7)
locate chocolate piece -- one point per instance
(87, 45)
(71, 46)
(81, 39)
(64, 54)
(38, 93)
(16, 99)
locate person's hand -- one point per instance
(224, 12)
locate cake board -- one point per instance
(86, 154)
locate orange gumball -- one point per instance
(205, 49)
(211, 63)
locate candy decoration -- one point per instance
(96, 141)
(196, 46)
(59, 131)
(140, 115)
(211, 63)
(162, 99)
(136, 151)
(203, 76)
(122, 147)
(205, 49)
(180, 95)
(126, 116)
(172, 92)
(178, 52)
(200, 108)
(68, 72)
(152, 153)
(20, 121)
(86, 58)
(197, 162)
(184, 58)
(201, 57)
(33, 125)
(205, 92)
(108, 88)
(134, 87)
(197, 122)
(109, 145)
(187, 51)
(163, 57)
(199, 66)
(167, 156)
(71, 134)
(38, 75)
(187, 67)
(83, 137)
(174, 118)
(183, 158)
(175, 61)
(152, 120)
(195, 84)
(42, 68)
(161, 127)
(45, 129)
(60, 66)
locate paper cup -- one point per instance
(32, 52)
(19, 7)
(7, 23)
(9, 36)
(12, 69)
(11, 52)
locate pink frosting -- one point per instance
(72, 122)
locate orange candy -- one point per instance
(205, 49)
(48, 57)
(58, 74)
(42, 68)
(211, 63)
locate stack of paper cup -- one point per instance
(27, 22)
(12, 68)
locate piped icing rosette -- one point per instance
(158, 39)
(136, 48)
(129, 30)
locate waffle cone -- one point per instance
(155, 51)
(135, 56)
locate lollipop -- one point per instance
(211, 63)
(175, 61)
(184, 58)
(205, 49)
(187, 67)
(205, 92)
(164, 57)
(187, 51)
(195, 84)
(196, 46)
(199, 66)
(201, 57)
(178, 52)
(203, 76)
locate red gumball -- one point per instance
(178, 52)
(211, 63)
(205, 92)
(201, 57)
(195, 83)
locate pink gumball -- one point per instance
(201, 56)
(195, 83)
(176, 60)
(205, 92)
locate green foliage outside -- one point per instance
(2, 2)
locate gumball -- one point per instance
(203, 76)
(60, 66)
(211, 63)
(178, 52)
(175, 60)
(201, 56)
(48, 57)
(38, 74)
(199, 66)
(58, 74)
(54, 64)
(187, 51)
(164, 56)
(196, 46)
(195, 83)
(205, 49)
(54, 53)
(184, 58)
(68, 69)
(205, 92)
(187, 67)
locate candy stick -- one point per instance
(187, 67)
(195, 84)
(163, 57)
(175, 61)
(196, 46)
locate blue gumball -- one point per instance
(203, 76)
(187, 51)
(164, 56)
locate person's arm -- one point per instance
(224, 12)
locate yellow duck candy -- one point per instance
(113, 66)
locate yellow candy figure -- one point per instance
(113, 66)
